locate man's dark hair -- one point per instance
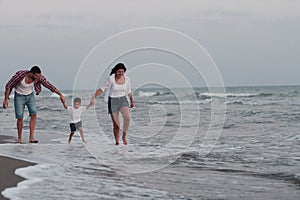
(35, 70)
(117, 67)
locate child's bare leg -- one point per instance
(126, 118)
(70, 137)
(116, 123)
(81, 134)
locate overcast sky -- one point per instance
(253, 42)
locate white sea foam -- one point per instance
(205, 101)
(152, 93)
(15, 193)
(147, 94)
(64, 168)
(222, 95)
(52, 95)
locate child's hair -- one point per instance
(77, 100)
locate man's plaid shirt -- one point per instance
(18, 77)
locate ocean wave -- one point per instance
(253, 102)
(54, 95)
(151, 94)
(182, 102)
(292, 178)
(235, 102)
(44, 108)
(193, 160)
(204, 101)
(294, 138)
(229, 126)
(234, 95)
(281, 176)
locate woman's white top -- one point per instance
(112, 89)
(119, 90)
(24, 88)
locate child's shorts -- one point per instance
(75, 126)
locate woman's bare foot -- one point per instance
(124, 139)
(117, 142)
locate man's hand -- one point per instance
(5, 103)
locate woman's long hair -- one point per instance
(117, 67)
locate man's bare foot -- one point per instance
(117, 142)
(84, 141)
(19, 140)
(69, 141)
(124, 140)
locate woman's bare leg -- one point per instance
(116, 123)
(126, 122)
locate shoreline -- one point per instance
(8, 167)
(7, 173)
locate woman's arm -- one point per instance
(97, 93)
(131, 100)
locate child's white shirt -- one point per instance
(76, 113)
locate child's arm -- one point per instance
(89, 105)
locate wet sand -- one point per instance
(8, 167)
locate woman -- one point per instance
(117, 89)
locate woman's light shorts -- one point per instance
(116, 103)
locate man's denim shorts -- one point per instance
(20, 101)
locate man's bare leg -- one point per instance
(32, 125)
(19, 128)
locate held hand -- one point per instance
(5, 103)
(92, 101)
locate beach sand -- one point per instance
(8, 167)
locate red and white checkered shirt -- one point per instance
(18, 77)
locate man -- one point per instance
(23, 82)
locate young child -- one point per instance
(75, 123)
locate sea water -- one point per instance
(174, 151)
